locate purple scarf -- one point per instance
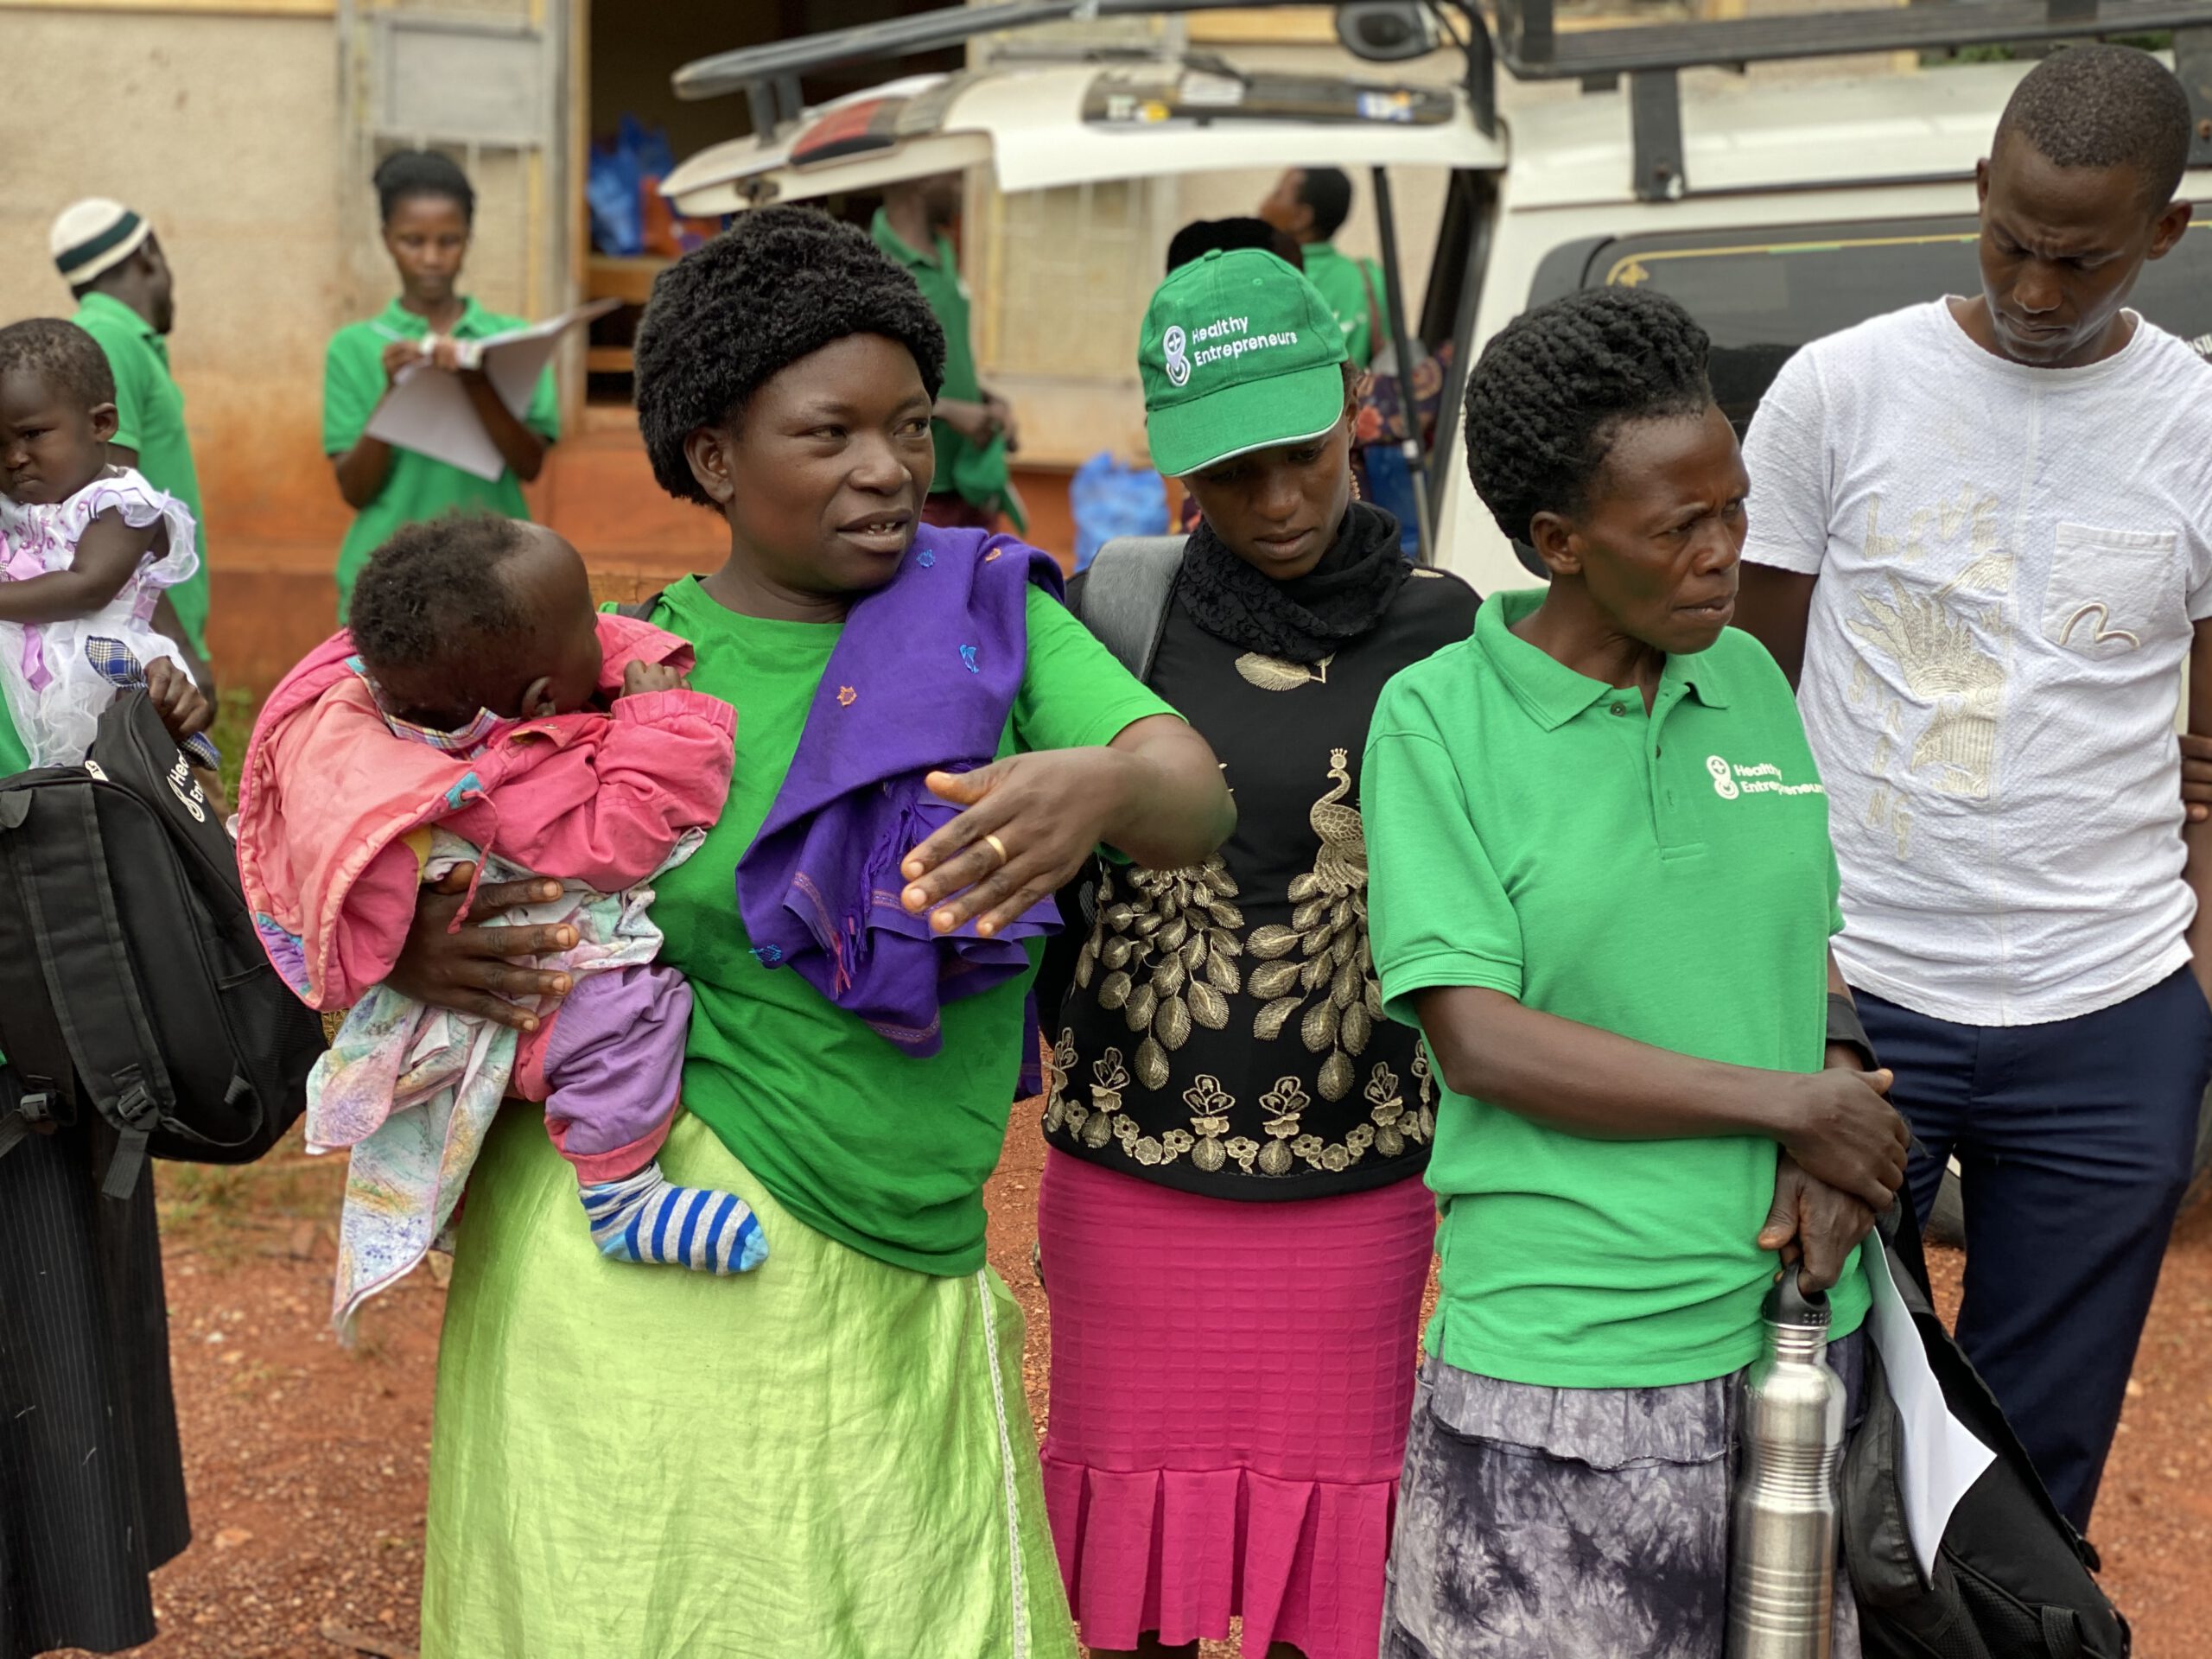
(921, 680)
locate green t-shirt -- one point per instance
(417, 487)
(150, 418)
(1665, 877)
(977, 473)
(880, 1150)
(1344, 283)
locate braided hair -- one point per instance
(406, 173)
(731, 315)
(1555, 385)
(64, 357)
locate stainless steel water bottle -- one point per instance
(1783, 1524)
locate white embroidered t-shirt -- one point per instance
(2011, 561)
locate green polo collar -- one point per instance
(1551, 692)
(108, 305)
(475, 324)
(897, 246)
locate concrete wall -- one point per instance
(223, 132)
(227, 131)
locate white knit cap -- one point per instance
(92, 236)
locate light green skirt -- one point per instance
(827, 1458)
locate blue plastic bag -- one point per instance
(614, 186)
(1109, 500)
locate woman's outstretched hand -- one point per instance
(1031, 820)
(478, 970)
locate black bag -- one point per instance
(131, 978)
(2012, 1577)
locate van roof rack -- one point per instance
(1531, 47)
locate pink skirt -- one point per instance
(1230, 1387)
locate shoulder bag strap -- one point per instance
(1124, 596)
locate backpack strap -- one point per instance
(641, 610)
(1124, 596)
(37, 1052)
(91, 987)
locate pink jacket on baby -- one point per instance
(330, 793)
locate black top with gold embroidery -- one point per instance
(1224, 1033)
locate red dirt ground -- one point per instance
(306, 1461)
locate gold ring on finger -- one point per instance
(998, 846)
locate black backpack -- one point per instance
(131, 978)
(2013, 1578)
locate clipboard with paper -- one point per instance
(428, 410)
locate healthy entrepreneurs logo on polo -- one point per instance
(1238, 352)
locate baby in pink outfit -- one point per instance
(480, 704)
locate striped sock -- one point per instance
(645, 1217)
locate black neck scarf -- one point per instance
(1307, 618)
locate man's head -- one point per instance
(1310, 203)
(1201, 236)
(2078, 192)
(101, 246)
(938, 194)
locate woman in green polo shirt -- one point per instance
(832, 1460)
(429, 208)
(1601, 884)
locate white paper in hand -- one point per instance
(1941, 1458)
(428, 411)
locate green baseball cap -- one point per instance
(1238, 352)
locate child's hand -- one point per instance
(398, 354)
(639, 679)
(183, 708)
(445, 353)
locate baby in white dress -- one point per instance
(85, 547)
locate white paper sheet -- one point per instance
(1941, 1458)
(429, 413)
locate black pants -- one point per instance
(2074, 1141)
(92, 1483)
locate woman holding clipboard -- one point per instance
(427, 205)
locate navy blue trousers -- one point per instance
(2074, 1141)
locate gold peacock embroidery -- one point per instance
(1322, 963)
(1167, 952)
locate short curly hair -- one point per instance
(729, 316)
(2104, 106)
(1555, 385)
(432, 603)
(63, 356)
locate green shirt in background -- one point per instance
(977, 473)
(149, 419)
(1344, 284)
(1668, 878)
(417, 487)
(880, 1150)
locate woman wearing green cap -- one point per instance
(429, 209)
(1233, 1232)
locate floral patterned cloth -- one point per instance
(412, 1089)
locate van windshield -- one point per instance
(1762, 293)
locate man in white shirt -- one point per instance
(1982, 528)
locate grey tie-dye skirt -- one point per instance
(1574, 1523)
